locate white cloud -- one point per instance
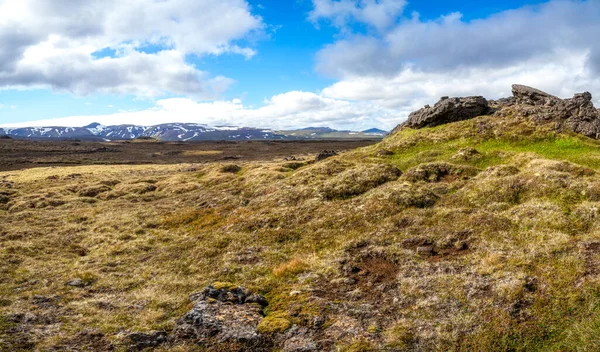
(396, 66)
(411, 88)
(377, 13)
(551, 46)
(289, 110)
(501, 40)
(50, 44)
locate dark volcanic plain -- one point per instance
(24, 154)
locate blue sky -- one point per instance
(340, 63)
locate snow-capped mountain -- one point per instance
(177, 132)
(376, 132)
(48, 132)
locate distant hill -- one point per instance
(375, 131)
(181, 132)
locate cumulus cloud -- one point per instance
(503, 39)
(288, 110)
(411, 87)
(551, 46)
(376, 13)
(51, 44)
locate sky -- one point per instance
(346, 64)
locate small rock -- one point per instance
(258, 299)
(141, 340)
(76, 283)
(295, 293)
(425, 250)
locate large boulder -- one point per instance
(531, 96)
(577, 114)
(447, 110)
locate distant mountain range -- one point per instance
(184, 132)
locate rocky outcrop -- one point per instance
(224, 315)
(530, 96)
(577, 114)
(448, 110)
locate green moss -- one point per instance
(399, 336)
(358, 346)
(224, 285)
(273, 324)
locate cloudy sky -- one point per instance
(351, 64)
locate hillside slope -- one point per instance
(477, 235)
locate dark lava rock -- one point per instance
(577, 114)
(447, 110)
(224, 316)
(531, 96)
(326, 154)
(228, 293)
(140, 341)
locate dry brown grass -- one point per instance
(332, 245)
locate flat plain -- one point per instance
(23, 154)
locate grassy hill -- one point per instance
(480, 235)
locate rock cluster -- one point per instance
(448, 110)
(227, 317)
(222, 315)
(577, 114)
